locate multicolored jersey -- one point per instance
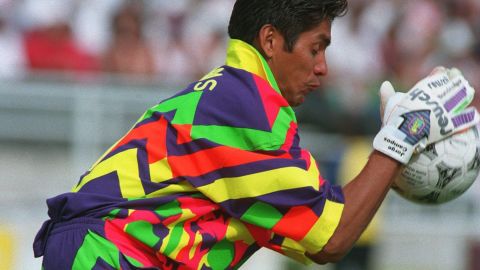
(208, 176)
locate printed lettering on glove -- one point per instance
(435, 108)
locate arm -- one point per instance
(363, 197)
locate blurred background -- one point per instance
(76, 74)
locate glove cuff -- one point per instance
(390, 141)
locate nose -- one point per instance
(320, 68)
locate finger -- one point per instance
(456, 76)
(386, 92)
(460, 98)
(392, 103)
(437, 81)
(439, 69)
(453, 73)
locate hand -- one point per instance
(435, 108)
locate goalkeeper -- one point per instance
(207, 177)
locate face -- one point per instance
(298, 72)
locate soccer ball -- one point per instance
(443, 171)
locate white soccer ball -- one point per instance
(443, 171)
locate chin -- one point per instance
(296, 103)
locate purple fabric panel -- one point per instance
(70, 205)
(277, 240)
(161, 231)
(100, 264)
(175, 149)
(64, 240)
(332, 192)
(64, 246)
(234, 102)
(103, 185)
(281, 200)
(295, 150)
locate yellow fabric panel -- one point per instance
(243, 56)
(294, 250)
(196, 242)
(160, 171)
(125, 164)
(181, 187)
(324, 228)
(261, 183)
(236, 231)
(184, 239)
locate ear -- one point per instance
(268, 40)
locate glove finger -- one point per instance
(435, 82)
(458, 96)
(438, 69)
(386, 92)
(449, 86)
(466, 119)
(454, 72)
(391, 104)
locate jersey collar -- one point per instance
(242, 55)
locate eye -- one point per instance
(316, 49)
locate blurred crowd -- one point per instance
(175, 40)
(178, 41)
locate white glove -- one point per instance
(435, 108)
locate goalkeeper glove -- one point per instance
(435, 108)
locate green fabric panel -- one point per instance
(143, 231)
(221, 255)
(112, 214)
(93, 247)
(133, 261)
(246, 138)
(285, 115)
(169, 209)
(175, 236)
(230, 136)
(184, 104)
(268, 71)
(262, 214)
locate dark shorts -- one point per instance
(78, 244)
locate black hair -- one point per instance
(290, 17)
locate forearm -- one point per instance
(363, 197)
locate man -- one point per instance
(206, 178)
